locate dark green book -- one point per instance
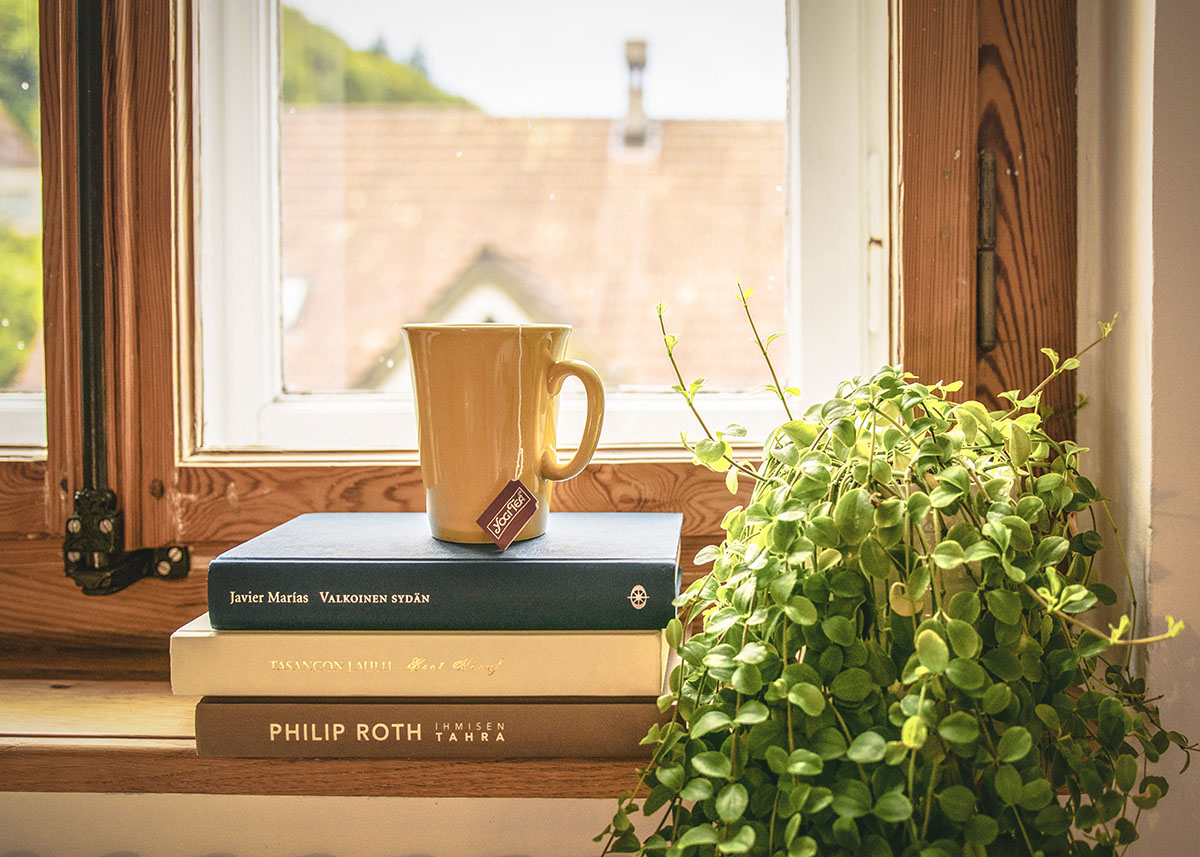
(383, 571)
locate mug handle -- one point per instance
(551, 469)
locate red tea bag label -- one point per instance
(508, 513)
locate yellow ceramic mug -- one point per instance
(487, 408)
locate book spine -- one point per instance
(417, 596)
(418, 664)
(404, 729)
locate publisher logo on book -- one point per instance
(638, 597)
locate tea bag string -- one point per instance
(520, 406)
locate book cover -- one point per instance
(384, 571)
(210, 662)
(450, 728)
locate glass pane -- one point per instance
(20, 200)
(531, 161)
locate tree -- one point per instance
(320, 68)
(20, 300)
(19, 63)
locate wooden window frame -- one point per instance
(171, 493)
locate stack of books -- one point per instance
(357, 635)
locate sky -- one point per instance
(705, 59)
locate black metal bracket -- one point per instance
(93, 551)
(94, 547)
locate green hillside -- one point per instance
(19, 63)
(320, 68)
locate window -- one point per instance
(322, 227)
(22, 379)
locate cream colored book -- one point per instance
(209, 662)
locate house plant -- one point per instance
(893, 656)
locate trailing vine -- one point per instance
(893, 655)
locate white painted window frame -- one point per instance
(837, 237)
(22, 423)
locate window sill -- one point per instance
(135, 737)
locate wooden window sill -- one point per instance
(127, 737)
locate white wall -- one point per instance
(1139, 217)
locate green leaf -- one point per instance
(932, 651)
(804, 763)
(914, 733)
(981, 829)
(894, 807)
(1003, 664)
(959, 727)
(1008, 784)
(752, 711)
(697, 836)
(963, 638)
(1005, 606)
(1051, 551)
(828, 743)
(731, 802)
(873, 559)
(852, 685)
(979, 551)
(1048, 716)
(802, 846)
(1014, 744)
(854, 515)
(807, 698)
(670, 776)
(712, 764)
(965, 605)
(957, 802)
(996, 698)
(800, 610)
(697, 788)
(710, 721)
(966, 674)
(801, 433)
(747, 680)
(1126, 773)
(948, 554)
(1018, 445)
(823, 531)
(839, 629)
(674, 633)
(740, 842)
(918, 506)
(866, 748)
(846, 834)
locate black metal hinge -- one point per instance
(93, 550)
(985, 268)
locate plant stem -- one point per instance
(1078, 623)
(758, 339)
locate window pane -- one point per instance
(20, 204)
(518, 162)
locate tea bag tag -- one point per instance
(508, 513)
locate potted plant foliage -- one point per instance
(892, 656)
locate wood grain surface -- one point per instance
(230, 503)
(937, 93)
(1027, 117)
(130, 737)
(47, 628)
(60, 261)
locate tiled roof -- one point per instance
(385, 207)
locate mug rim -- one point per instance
(484, 325)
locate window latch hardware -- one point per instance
(93, 549)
